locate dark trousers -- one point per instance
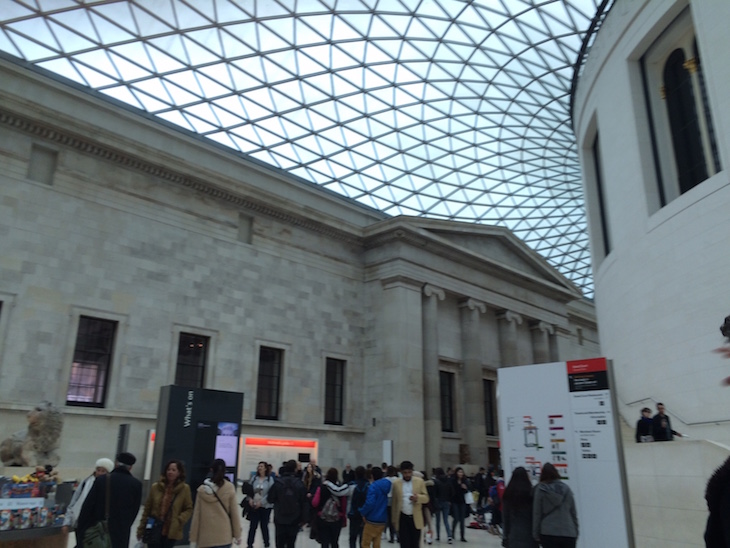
(329, 533)
(458, 509)
(550, 541)
(286, 534)
(355, 531)
(164, 543)
(391, 526)
(260, 516)
(409, 536)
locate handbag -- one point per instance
(153, 532)
(468, 497)
(97, 536)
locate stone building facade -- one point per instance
(381, 328)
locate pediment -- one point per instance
(494, 245)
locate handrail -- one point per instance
(596, 22)
(675, 415)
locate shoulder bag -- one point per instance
(153, 532)
(97, 536)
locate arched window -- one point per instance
(683, 139)
(684, 122)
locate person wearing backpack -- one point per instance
(330, 502)
(288, 496)
(358, 498)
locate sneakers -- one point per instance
(429, 538)
(451, 540)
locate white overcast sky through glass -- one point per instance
(442, 108)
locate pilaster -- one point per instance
(431, 395)
(473, 424)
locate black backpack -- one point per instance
(359, 496)
(444, 489)
(288, 508)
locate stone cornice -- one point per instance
(87, 146)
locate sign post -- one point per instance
(563, 413)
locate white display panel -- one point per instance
(562, 413)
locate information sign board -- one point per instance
(563, 413)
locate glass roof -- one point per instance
(448, 109)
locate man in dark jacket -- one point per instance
(358, 498)
(288, 495)
(662, 425)
(125, 498)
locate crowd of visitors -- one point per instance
(375, 503)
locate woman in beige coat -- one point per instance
(215, 517)
(169, 501)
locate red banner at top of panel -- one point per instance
(276, 442)
(586, 366)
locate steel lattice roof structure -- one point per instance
(451, 109)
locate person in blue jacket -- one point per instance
(375, 510)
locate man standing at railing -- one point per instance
(662, 425)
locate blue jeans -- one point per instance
(459, 510)
(442, 511)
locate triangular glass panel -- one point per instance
(119, 13)
(149, 25)
(123, 94)
(150, 104)
(341, 30)
(189, 18)
(176, 117)
(71, 41)
(304, 35)
(37, 33)
(127, 69)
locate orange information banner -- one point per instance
(278, 442)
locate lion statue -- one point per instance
(37, 444)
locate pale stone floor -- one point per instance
(474, 538)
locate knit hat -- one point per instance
(106, 464)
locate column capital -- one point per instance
(473, 304)
(544, 327)
(433, 291)
(511, 317)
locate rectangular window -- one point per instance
(446, 380)
(334, 391)
(267, 392)
(192, 352)
(91, 363)
(601, 201)
(490, 406)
